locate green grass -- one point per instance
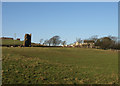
(35, 65)
(11, 42)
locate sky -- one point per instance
(69, 20)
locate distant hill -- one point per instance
(11, 42)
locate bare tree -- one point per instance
(14, 38)
(41, 40)
(115, 39)
(55, 40)
(46, 42)
(63, 43)
(94, 38)
(50, 42)
(78, 40)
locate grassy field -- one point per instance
(14, 42)
(35, 65)
(11, 42)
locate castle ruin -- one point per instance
(27, 40)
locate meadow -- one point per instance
(11, 42)
(37, 65)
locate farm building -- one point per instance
(18, 39)
(86, 44)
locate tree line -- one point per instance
(54, 41)
(108, 42)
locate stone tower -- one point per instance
(27, 40)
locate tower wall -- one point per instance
(27, 40)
